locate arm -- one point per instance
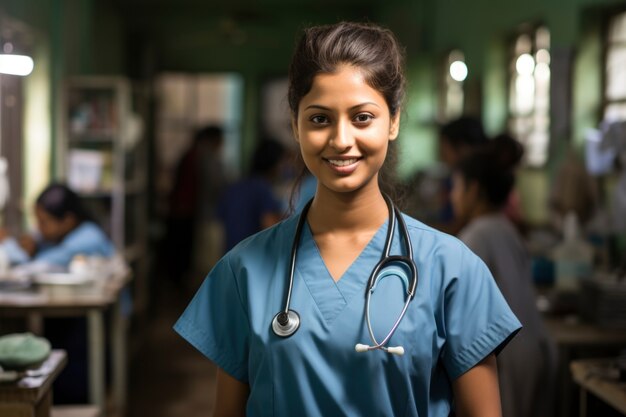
(476, 392)
(231, 396)
(28, 244)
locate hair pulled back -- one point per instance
(492, 167)
(370, 48)
(58, 200)
(464, 131)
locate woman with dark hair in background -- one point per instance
(457, 139)
(482, 183)
(65, 229)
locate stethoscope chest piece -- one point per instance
(285, 324)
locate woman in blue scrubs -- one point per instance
(346, 88)
(65, 230)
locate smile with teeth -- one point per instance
(342, 162)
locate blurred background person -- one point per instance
(250, 205)
(456, 139)
(64, 229)
(198, 181)
(482, 182)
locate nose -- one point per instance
(342, 138)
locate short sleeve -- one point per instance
(477, 319)
(216, 323)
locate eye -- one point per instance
(363, 118)
(319, 119)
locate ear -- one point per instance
(394, 126)
(294, 128)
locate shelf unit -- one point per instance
(102, 155)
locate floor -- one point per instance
(168, 377)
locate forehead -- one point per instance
(346, 86)
(42, 214)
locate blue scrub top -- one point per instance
(457, 318)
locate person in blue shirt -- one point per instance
(65, 230)
(346, 89)
(250, 205)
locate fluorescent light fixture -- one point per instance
(16, 64)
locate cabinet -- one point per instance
(102, 155)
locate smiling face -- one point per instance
(344, 127)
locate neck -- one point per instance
(347, 212)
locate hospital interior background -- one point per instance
(118, 88)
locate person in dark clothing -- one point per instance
(456, 139)
(194, 187)
(250, 205)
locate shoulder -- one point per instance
(87, 229)
(432, 239)
(488, 228)
(444, 255)
(87, 233)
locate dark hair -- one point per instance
(464, 131)
(211, 134)
(58, 200)
(371, 48)
(266, 157)
(492, 166)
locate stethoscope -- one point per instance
(287, 321)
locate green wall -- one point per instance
(139, 38)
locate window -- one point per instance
(529, 94)
(615, 76)
(453, 74)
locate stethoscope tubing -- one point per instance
(286, 322)
(294, 252)
(387, 259)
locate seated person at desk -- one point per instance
(65, 230)
(482, 182)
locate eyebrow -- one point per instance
(318, 106)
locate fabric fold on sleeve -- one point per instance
(478, 320)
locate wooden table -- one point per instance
(577, 339)
(90, 300)
(31, 396)
(600, 377)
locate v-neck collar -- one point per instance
(332, 297)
